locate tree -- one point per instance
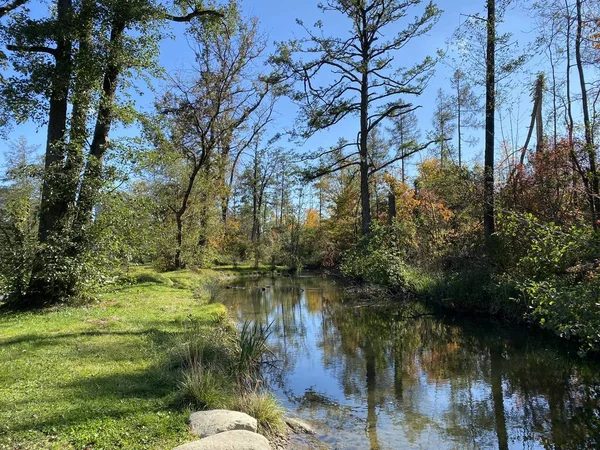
(490, 116)
(67, 67)
(498, 55)
(259, 175)
(206, 115)
(443, 124)
(594, 178)
(467, 108)
(365, 83)
(405, 135)
(19, 199)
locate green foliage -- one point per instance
(555, 270)
(538, 250)
(569, 310)
(378, 258)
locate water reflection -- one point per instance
(393, 378)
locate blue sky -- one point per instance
(278, 21)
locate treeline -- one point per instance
(210, 178)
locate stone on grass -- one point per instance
(229, 440)
(208, 423)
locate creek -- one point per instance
(398, 376)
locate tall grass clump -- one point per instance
(209, 292)
(263, 406)
(205, 387)
(252, 352)
(198, 345)
(222, 368)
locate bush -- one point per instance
(557, 275)
(378, 258)
(569, 310)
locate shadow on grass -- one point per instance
(126, 398)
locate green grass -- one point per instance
(249, 269)
(94, 377)
(265, 408)
(471, 290)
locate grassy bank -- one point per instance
(472, 291)
(102, 376)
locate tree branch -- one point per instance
(32, 49)
(11, 6)
(196, 13)
(404, 155)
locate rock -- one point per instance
(298, 426)
(208, 423)
(229, 440)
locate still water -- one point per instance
(396, 377)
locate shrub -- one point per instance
(378, 258)
(557, 275)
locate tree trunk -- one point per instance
(391, 206)
(52, 189)
(82, 98)
(536, 118)
(365, 197)
(459, 121)
(92, 176)
(490, 110)
(589, 139)
(178, 263)
(51, 217)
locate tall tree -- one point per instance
(365, 83)
(443, 123)
(405, 134)
(594, 179)
(208, 113)
(490, 126)
(467, 108)
(68, 66)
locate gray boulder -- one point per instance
(208, 423)
(229, 440)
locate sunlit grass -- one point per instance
(94, 377)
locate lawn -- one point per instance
(94, 376)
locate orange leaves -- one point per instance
(312, 219)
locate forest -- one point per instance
(438, 153)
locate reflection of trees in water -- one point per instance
(474, 385)
(285, 303)
(480, 372)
